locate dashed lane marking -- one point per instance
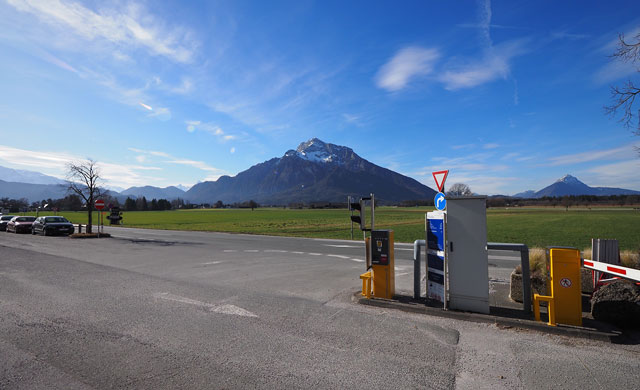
(211, 263)
(339, 256)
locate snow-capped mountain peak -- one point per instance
(316, 150)
(568, 179)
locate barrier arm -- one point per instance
(623, 272)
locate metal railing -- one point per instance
(524, 262)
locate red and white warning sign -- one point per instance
(440, 177)
(565, 282)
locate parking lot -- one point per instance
(167, 309)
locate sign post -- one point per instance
(99, 206)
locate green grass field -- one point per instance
(536, 227)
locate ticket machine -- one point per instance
(382, 263)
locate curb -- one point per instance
(503, 322)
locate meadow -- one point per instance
(536, 227)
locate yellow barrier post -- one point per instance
(550, 308)
(565, 285)
(565, 299)
(366, 284)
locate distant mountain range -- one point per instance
(570, 185)
(315, 172)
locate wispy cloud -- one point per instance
(615, 69)
(131, 26)
(493, 65)
(214, 130)
(406, 64)
(612, 175)
(490, 146)
(55, 164)
(169, 159)
(620, 153)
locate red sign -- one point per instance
(440, 178)
(99, 204)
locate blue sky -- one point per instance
(506, 95)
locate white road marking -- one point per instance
(315, 254)
(251, 250)
(344, 246)
(403, 249)
(274, 251)
(222, 309)
(403, 273)
(211, 263)
(339, 256)
(229, 250)
(298, 253)
(358, 260)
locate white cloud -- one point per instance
(622, 174)
(55, 164)
(214, 130)
(141, 158)
(620, 153)
(180, 161)
(493, 65)
(490, 146)
(406, 64)
(131, 26)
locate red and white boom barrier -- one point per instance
(623, 272)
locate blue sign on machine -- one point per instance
(440, 201)
(435, 256)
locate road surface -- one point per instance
(169, 309)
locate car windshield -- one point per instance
(55, 219)
(25, 219)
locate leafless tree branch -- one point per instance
(623, 97)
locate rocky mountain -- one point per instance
(29, 177)
(315, 171)
(151, 192)
(570, 185)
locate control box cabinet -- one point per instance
(467, 257)
(382, 263)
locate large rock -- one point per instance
(617, 302)
(538, 286)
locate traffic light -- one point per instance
(359, 219)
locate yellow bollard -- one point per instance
(366, 284)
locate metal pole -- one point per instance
(350, 209)
(416, 267)
(373, 208)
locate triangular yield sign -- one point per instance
(440, 178)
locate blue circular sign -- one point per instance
(440, 201)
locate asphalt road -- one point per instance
(167, 309)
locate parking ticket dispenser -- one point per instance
(563, 271)
(382, 263)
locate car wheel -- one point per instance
(33, 231)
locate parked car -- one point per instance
(4, 220)
(48, 226)
(20, 224)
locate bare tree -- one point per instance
(459, 189)
(624, 96)
(84, 179)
